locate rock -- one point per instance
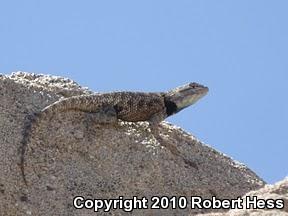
(69, 155)
(278, 191)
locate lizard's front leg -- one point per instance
(154, 124)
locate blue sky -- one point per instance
(239, 49)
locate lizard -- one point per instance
(128, 106)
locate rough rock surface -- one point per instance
(71, 155)
(275, 192)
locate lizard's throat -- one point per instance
(171, 107)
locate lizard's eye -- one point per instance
(195, 85)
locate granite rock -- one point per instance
(70, 155)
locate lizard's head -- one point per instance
(183, 96)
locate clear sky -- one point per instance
(239, 49)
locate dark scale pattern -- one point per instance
(129, 106)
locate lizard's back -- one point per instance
(129, 106)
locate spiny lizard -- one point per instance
(126, 106)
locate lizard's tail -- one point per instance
(84, 103)
(31, 121)
(29, 124)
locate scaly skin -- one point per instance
(126, 106)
